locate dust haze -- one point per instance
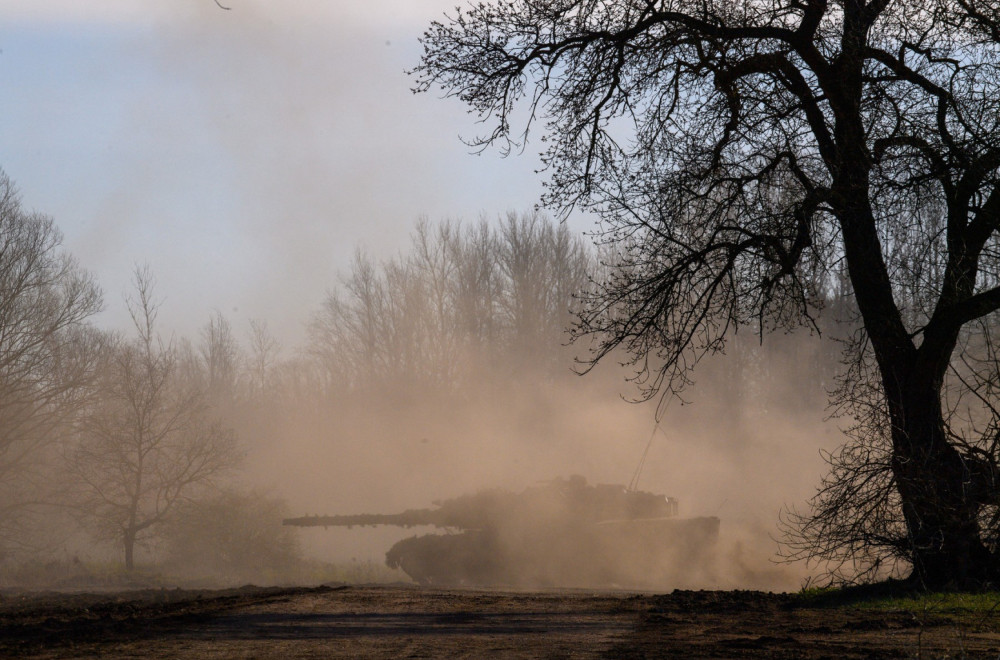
(434, 365)
(729, 459)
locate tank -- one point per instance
(563, 532)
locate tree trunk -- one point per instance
(941, 496)
(940, 490)
(129, 549)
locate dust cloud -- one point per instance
(441, 374)
(714, 458)
(745, 446)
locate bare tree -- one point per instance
(264, 350)
(47, 351)
(149, 441)
(347, 331)
(732, 148)
(221, 359)
(477, 290)
(434, 266)
(542, 268)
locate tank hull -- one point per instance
(648, 553)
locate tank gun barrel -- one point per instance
(408, 518)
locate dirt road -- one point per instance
(408, 622)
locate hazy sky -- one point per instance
(243, 154)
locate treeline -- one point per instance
(466, 305)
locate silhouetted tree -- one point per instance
(735, 150)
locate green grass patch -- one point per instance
(938, 603)
(899, 596)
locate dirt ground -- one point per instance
(410, 622)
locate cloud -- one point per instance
(117, 12)
(93, 12)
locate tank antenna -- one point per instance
(633, 485)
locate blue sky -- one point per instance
(243, 154)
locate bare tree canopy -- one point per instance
(736, 153)
(147, 442)
(47, 352)
(465, 302)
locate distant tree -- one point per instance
(477, 289)
(149, 441)
(262, 360)
(47, 349)
(433, 264)
(346, 332)
(736, 149)
(232, 535)
(221, 359)
(542, 269)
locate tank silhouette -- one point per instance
(561, 533)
